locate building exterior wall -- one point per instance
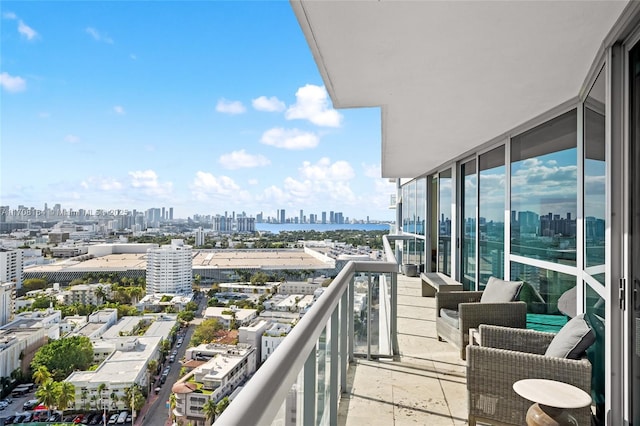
(169, 269)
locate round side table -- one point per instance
(550, 399)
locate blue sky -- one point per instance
(204, 106)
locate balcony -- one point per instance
(366, 354)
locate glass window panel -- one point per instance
(544, 191)
(595, 313)
(421, 205)
(434, 224)
(405, 208)
(542, 288)
(468, 215)
(411, 208)
(491, 187)
(445, 189)
(594, 175)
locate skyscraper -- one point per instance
(169, 269)
(170, 213)
(11, 266)
(282, 216)
(199, 237)
(7, 302)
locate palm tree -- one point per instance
(66, 395)
(135, 399)
(93, 402)
(135, 293)
(101, 294)
(114, 399)
(41, 375)
(101, 388)
(222, 405)
(83, 396)
(47, 394)
(172, 404)
(152, 367)
(210, 409)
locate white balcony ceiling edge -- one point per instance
(452, 75)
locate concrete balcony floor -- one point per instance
(427, 386)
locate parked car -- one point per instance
(54, 417)
(113, 419)
(30, 404)
(78, 419)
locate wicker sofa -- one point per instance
(471, 313)
(507, 355)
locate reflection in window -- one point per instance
(405, 208)
(444, 222)
(542, 289)
(421, 205)
(594, 175)
(491, 215)
(411, 207)
(595, 314)
(468, 215)
(544, 191)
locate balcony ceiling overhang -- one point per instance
(452, 75)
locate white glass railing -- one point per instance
(301, 382)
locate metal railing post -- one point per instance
(309, 389)
(333, 369)
(350, 318)
(395, 349)
(344, 338)
(369, 315)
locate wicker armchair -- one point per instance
(472, 313)
(507, 355)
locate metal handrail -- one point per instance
(261, 398)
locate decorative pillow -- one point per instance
(572, 340)
(500, 291)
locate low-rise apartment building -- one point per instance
(228, 368)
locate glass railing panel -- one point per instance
(360, 314)
(385, 347)
(322, 377)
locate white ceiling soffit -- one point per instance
(452, 75)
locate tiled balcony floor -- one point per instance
(427, 386)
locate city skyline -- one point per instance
(209, 106)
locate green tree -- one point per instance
(191, 306)
(209, 410)
(222, 405)
(66, 395)
(259, 278)
(114, 399)
(47, 394)
(63, 356)
(34, 284)
(186, 316)
(41, 375)
(205, 332)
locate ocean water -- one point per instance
(278, 227)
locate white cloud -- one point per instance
(44, 114)
(12, 84)
(97, 36)
(26, 31)
(132, 56)
(271, 104)
(147, 181)
(71, 138)
(323, 170)
(230, 107)
(240, 159)
(289, 138)
(253, 181)
(205, 186)
(372, 170)
(312, 103)
(150, 148)
(119, 110)
(103, 184)
(9, 15)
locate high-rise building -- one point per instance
(301, 216)
(11, 266)
(7, 302)
(170, 213)
(332, 217)
(199, 237)
(282, 216)
(169, 269)
(164, 214)
(324, 217)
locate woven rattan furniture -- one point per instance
(507, 355)
(471, 313)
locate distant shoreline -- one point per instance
(320, 227)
